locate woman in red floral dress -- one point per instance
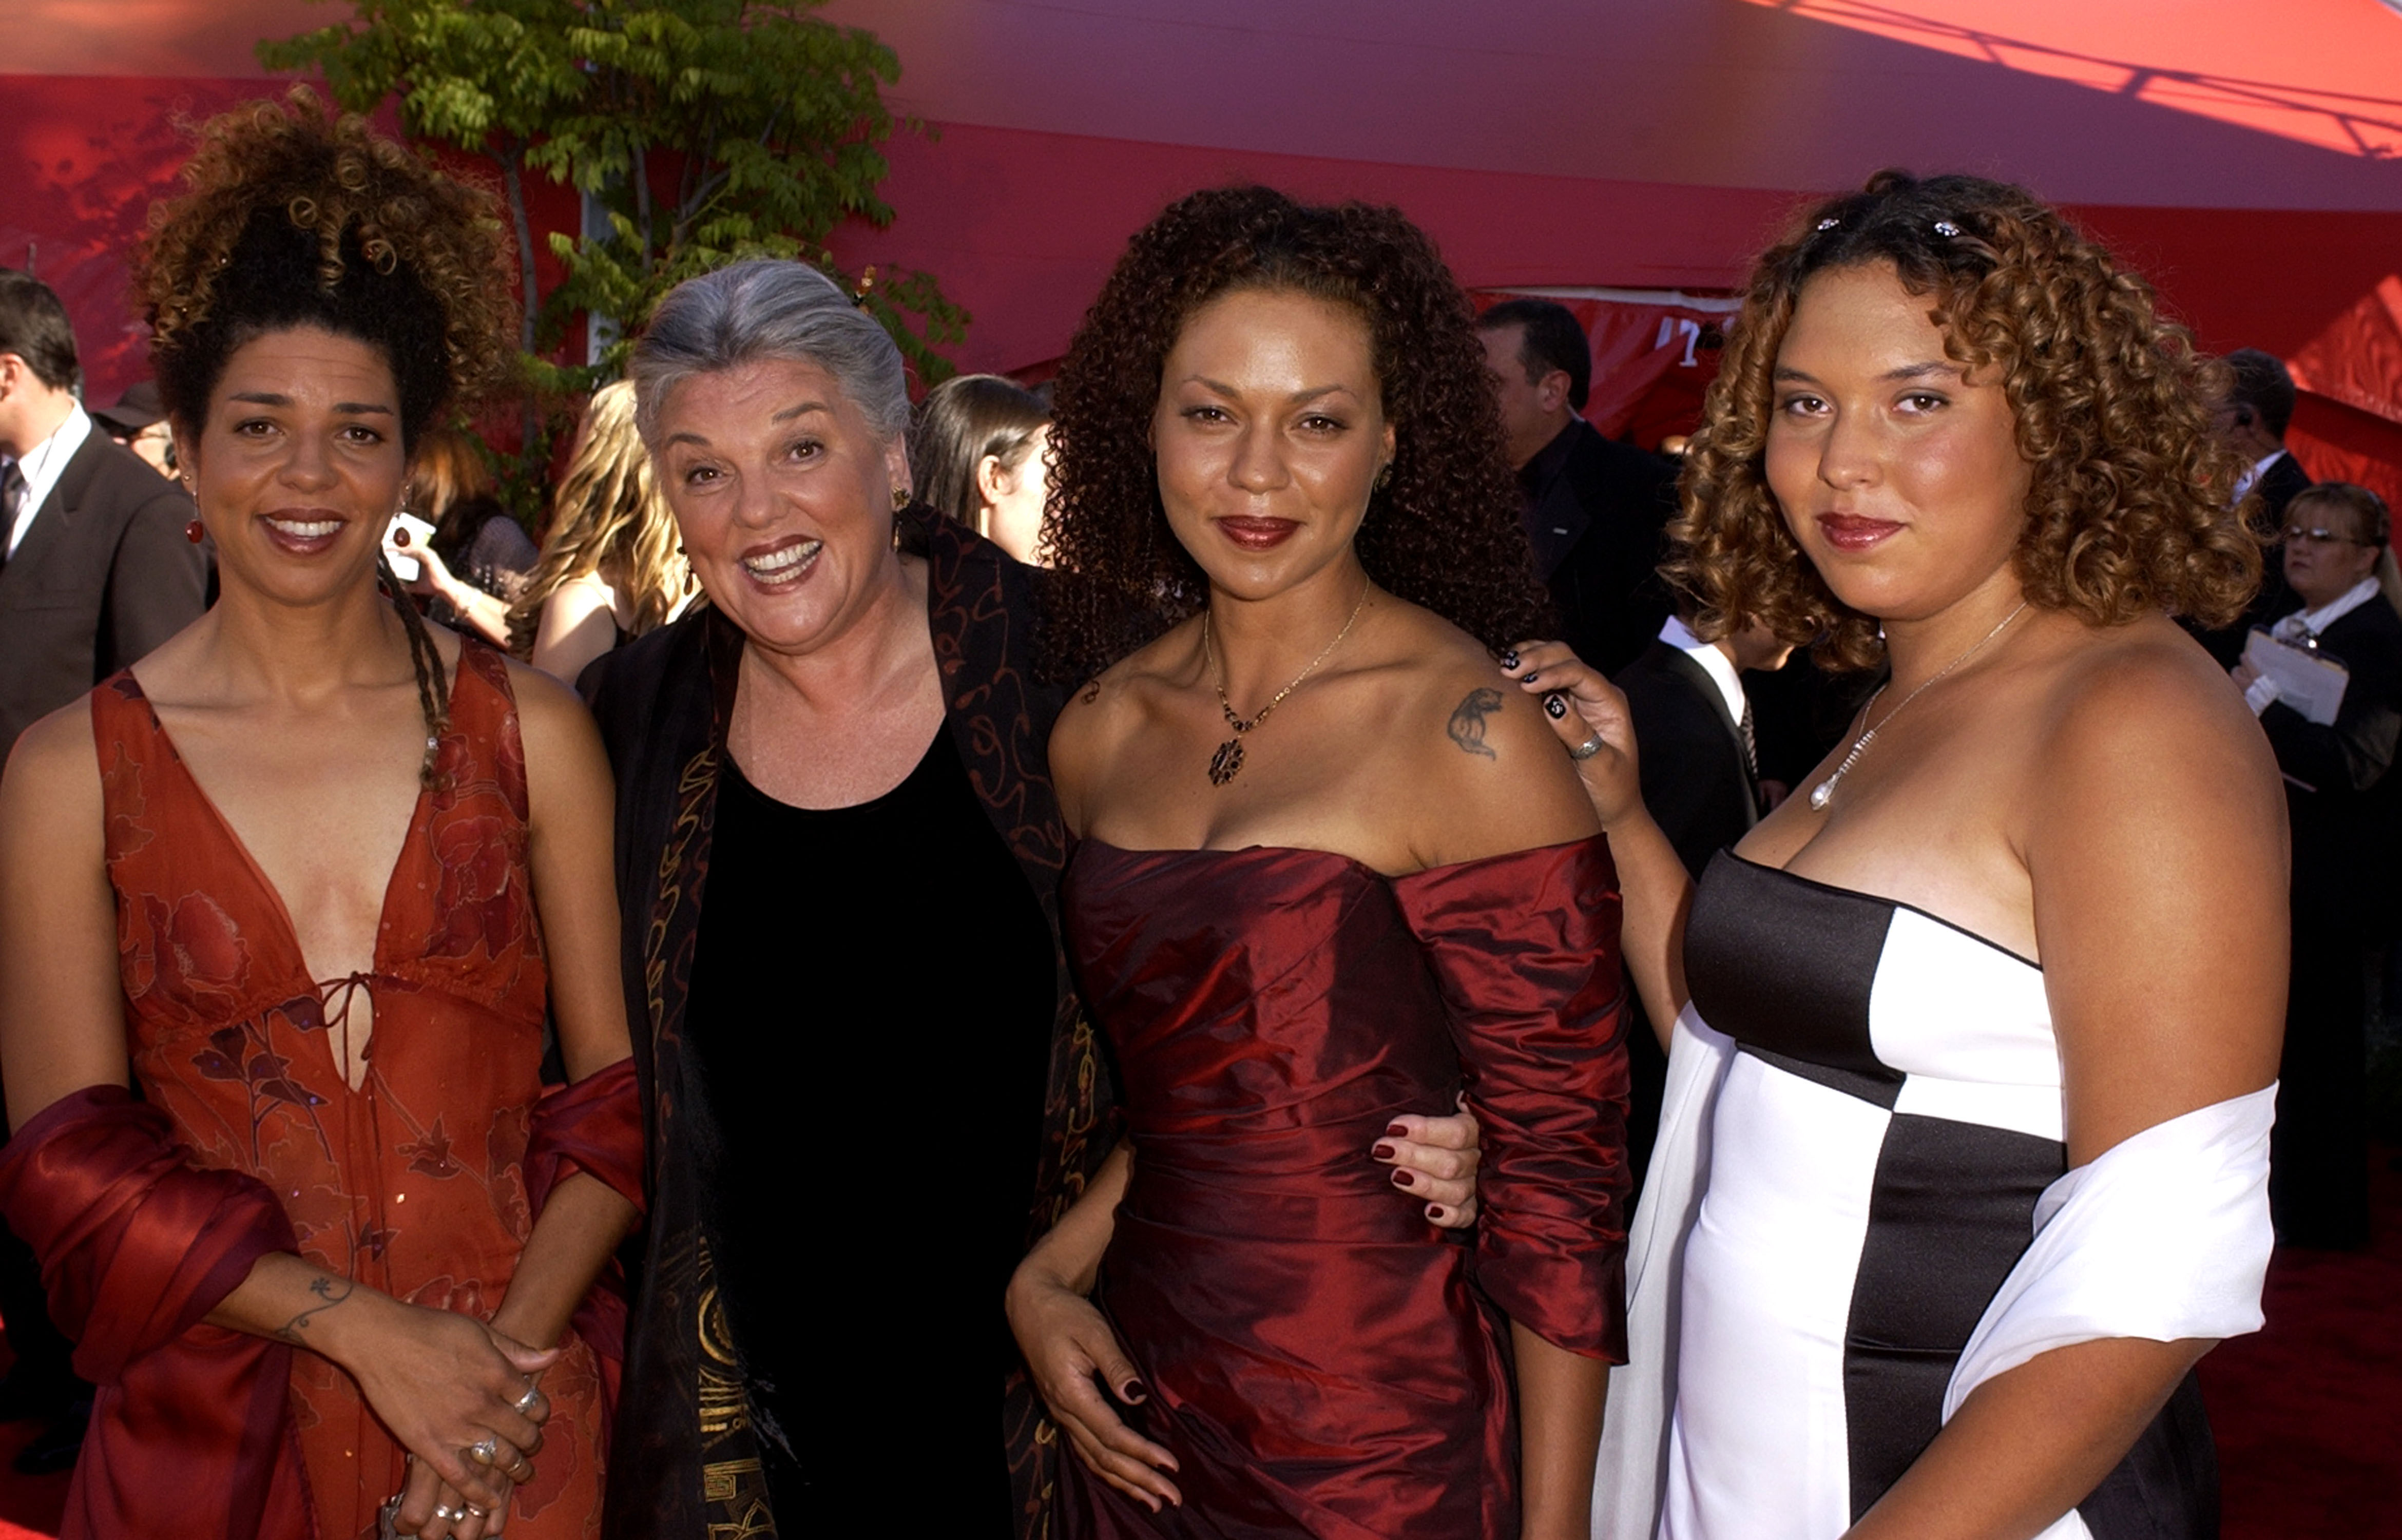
(307, 876)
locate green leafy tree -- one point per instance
(706, 131)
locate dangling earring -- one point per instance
(1384, 475)
(195, 532)
(900, 498)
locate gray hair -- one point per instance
(763, 309)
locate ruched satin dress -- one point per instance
(1321, 1359)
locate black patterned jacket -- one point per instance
(683, 1457)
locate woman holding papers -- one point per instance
(1961, 1166)
(2336, 748)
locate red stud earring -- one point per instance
(195, 532)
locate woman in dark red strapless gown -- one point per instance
(1293, 933)
(1319, 1350)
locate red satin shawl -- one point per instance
(137, 1246)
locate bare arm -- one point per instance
(1652, 881)
(1066, 1343)
(2157, 850)
(578, 623)
(573, 854)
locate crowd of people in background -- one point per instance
(1260, 1021)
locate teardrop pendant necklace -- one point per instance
(1227, 763)
(1824, 792)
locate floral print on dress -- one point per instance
(412, 1180)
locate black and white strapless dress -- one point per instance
(1882, 1149)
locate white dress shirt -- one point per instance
(2250, 478)
(42, 465)
(1713, 660)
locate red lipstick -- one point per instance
(1851, 532)
(1257, 534)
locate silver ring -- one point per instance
(1586, 750)
(531, 1400)
(449, 1514)
(474, 1512)
(483, 1451)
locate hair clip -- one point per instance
(1945, 228)
(1829, 223)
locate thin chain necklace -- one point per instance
(1825, 789)
(1227, 763)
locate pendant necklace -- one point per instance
(1825, 791)
(1227, 763)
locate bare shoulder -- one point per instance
(1485, 772)
(562, 745)
(1105, 711)
(50, 794)
(2144, 705)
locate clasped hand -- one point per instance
(452, 1390)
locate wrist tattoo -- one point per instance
(1467, 724)
(330, 1290)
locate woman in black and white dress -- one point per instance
(1961, 1162)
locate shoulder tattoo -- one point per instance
(1467, 724)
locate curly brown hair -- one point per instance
(1444, 530)
(2129, 506)
(294, 215)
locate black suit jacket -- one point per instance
(1695, 782)
(103, 575)
(2346, 827)
(1597, 513)
(2276, 487)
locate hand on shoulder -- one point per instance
(1489, 774)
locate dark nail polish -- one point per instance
(1434, 1212)
(1528, 678)
(1402, 1178)
(1555, 706)
(1510, 659)
(1395, 1131)
(1383, 1152)
(1132, 1393)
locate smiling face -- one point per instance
(783, 493)
(298, 466)
(1269, 432)
(1900, 477)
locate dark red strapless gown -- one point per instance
(1321, 1359)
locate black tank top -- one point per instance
(872, 998)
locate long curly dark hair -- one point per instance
(2128, 510)
(1444, 531)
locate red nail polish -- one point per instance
(1402, 1178)
(1434, 1212)
(1383, 1152)
(1397, 1132)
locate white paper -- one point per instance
(2310, 682)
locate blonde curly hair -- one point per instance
(294, 216)
(607, 517)
(2130, 506)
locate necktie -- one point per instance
(1750, 745)
(12, 495)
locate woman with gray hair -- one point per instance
(839, 865)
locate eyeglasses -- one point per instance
(2297, 535)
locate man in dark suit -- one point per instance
(95, 570)
(1595, 510)
(2344, 799)
(2252, 420)
(1700, 771)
